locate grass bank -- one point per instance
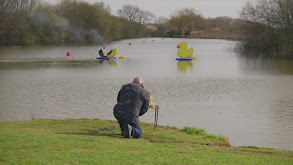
(96, 141)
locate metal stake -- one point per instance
(156, 116)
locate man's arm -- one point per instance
(119, 95)
(145, 105)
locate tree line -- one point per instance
(269, 27)
(28, 22)
(187, 22)
(266, 26)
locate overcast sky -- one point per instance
(165, 8)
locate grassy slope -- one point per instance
(96, 141)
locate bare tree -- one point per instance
(161, 24)
(25, 6)
(106, 8)
(271, 23)
(185, 20)
(145, 17)
(133, 13)
(161, 20)
(177, 24)
(129, 12)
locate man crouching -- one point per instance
(132, 102)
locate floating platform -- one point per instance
(106, 58)
(184, 59)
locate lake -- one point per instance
(248, 100)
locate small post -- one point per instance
(156, 116)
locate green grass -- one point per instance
(96, 141)
(193, 130)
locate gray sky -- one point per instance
(165, 8)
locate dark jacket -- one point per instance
(132, 102)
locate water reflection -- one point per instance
(37, 63)
(266, 65)
(183, 66)
(111, 62)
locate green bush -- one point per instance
(194, 131)
(211, 136)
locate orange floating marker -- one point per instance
(68, 54)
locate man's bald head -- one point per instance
(138, 80)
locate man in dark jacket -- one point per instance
(132, 102)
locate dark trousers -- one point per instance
(136, 130)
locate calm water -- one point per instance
(248, 100)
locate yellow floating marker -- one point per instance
(183, 52)
(122, 57)
(113, 53)
(193, 58)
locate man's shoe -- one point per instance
(127, 131)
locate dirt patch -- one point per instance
(111, 122)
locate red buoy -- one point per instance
(104, 47)
(129, 44)
(68, 53)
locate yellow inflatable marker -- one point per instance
(113, 53)
(183, 52)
